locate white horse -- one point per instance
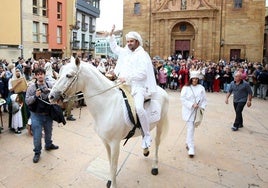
(102, 96)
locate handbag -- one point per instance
(199, 113)
(198, 116)
(15, 107)
(56, 113)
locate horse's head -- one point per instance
(66, 84)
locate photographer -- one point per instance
(36, 94)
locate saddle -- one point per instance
(130, 106)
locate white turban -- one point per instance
(134, 35)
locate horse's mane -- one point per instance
(93, 69)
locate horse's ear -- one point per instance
(77, 61)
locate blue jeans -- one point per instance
(226, 87)
(40, 121)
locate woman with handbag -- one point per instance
(16, 122)
(194, 101)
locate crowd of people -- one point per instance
(173, 73)
(215, 77)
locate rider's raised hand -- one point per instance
(112, 31)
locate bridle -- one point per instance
(75, 77)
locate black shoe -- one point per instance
(235, 128)
(52, 147)
(70, 118)
(36, 158)
(240, 126)
(17, 132)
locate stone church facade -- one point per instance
(205, 29)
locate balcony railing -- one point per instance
(84, 45)
(76, 44)
(92, 28)
(84, 26)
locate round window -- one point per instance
(182, 27)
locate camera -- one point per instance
(43, 90)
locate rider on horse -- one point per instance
(135, 68)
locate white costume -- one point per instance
(101, 67)
(189, 96)
(49, 72)
(16, 117)
(137, 68)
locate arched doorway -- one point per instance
(183, 36)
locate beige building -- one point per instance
(206, 29)
(47, 28)
(10, 35)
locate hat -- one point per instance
(134, 35)
(194, 74)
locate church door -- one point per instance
(182, 47)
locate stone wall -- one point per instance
(213, 29)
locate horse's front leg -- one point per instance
(114, 154)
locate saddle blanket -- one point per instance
(152, 108)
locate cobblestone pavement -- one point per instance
(223, 158)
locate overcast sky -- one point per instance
(111, 12)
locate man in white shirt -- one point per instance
(135, 68)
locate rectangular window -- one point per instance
(74, 36)
(84, 24)
(35, 7)
(84, 43)
(59, 11)
(35, 31)
(137, 8)
(237, 3)
(59, 34)
(44, 8)
(96, 3)
(44, 33)
(75, 42)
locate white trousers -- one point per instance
(139, 105)
(190, 134)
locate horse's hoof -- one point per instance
(146, 153)
(154, 171)
(108, 185)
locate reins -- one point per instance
(74, 96)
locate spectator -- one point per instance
(36, 94)
(18, 86)
(174, 80)
(16, 122)
(263, 80)
(227, 79)
(242, 96)
(162, 77)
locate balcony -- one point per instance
(84, 27)
(92, 46)
(75, 45)
(84, 45)
(92, 28)
(76, 26)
